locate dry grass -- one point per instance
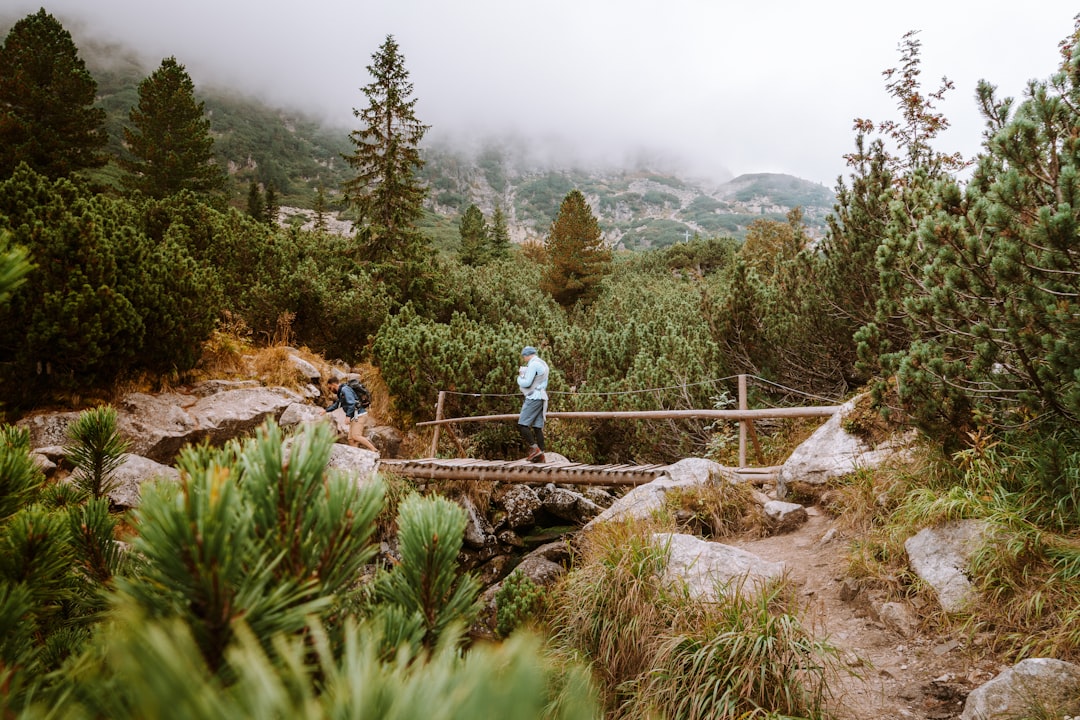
(715, 510)
(656, 652)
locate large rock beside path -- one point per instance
(832, 452)
(712, 569)
(158, 426)
(644, 500)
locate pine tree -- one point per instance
(320, 209)
(577, 257)
(386, 190)
(47, 117)
(498, 235)
(273, 206)
(474, 237)
(256, 203)
(169, 141)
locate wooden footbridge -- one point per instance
(525, 472)
(522, 471)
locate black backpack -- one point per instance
(362, 394)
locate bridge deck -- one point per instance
(522, 471)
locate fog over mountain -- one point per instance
(713, 89)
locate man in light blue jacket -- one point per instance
(533, 379)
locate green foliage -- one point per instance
(254, 533)
(154, 669)
(47, 117)
(419, 357)
(14, 266)
(103, 299)
(783, 190)
(56, 562)
(517, 602)
(611, 608)
(424, 596)
(747, 656)
(20, 478)
(700, 256)
(169, 142)
(218, 619)
(499, 235)
(474, 237)
(96, 450)
(976, 272)
(654, 233)
(386, 190)
(577, 256)
(538, 200)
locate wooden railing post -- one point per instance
(438, 416)
(743, 423)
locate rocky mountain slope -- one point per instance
(638, 207)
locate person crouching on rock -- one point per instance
(358, 418)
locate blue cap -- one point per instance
(528, 350)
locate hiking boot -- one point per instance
(537, 458)
(533, 453)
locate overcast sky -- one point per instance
(719, 87)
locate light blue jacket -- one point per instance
(533, 382)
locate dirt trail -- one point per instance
(921, 677)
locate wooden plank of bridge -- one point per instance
(522, 471)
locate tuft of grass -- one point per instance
(612, 609)
(656, 652)
(223, 353)
(747, 656)
(717, 509)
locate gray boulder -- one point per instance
(521, 504)
(478, 531)
(832, 452)
(1036, 687)
(48, 429)
(213, 387)
(299, 413)
(357, 462)
(711, 569)
(784, 517)
(644, 500)
(130, 476)
(305, 369)
(387, 438)
(940, 557)
(158, 426)
(567, 504)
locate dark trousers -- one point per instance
(532, 436)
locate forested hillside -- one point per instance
(638, 208)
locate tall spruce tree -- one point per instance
(387, 191)
(577, 257)
(498, 235)
(474, 237)
(320, 209)
(256, 203)
(47, 114)
(169, 141)
(273, 206)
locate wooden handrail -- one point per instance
(762, 414)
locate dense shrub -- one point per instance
(103, 299)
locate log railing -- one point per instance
(744, 416)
